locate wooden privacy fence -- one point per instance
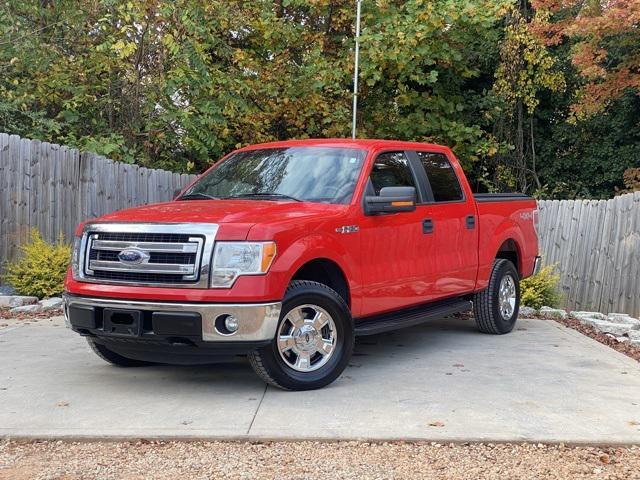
(53, 188)
(596, 244)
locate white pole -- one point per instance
(355, 73)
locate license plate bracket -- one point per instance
(127, 323)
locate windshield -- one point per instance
(313, 174)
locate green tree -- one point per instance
(178, 83)
(426, 72)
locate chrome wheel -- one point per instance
(306, 338)
(507, 297)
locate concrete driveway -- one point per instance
(441, 381)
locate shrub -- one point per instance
(41, 270)
(541, 289)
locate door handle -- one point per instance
(471, 222)
(427, 225)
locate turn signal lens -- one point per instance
(401, 204)
(268, 254)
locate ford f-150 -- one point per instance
(286, 251)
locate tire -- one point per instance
(294, 361)
(492, 315)
(113, 358)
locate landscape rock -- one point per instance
(12, 301)
(634, 337)
(553, 312)
(27, 309)
(52, 303)
(623, 318)
(527, 311)
(615, 329)
(593, 315)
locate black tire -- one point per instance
(267, 361)
(486, 305)
(113, 358)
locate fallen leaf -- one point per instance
(604, 458)
(63, 404)
(436, 424)
(633, 423)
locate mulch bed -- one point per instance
(5, 313)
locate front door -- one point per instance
(395, 250)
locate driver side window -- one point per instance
(391, 169)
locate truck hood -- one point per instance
(237, 215)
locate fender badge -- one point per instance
(347, 229)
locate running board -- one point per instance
(409, 318)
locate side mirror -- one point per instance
(391, 200)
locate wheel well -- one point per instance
(509, 251)
(328, 273)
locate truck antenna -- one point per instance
(355, 73)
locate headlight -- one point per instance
(75, 257)
(234, 259)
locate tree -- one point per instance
(426, 69)
(605, 46)
(526, 69)
(176, 84)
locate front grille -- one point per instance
(154, 257)
(145, 237)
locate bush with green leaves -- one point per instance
(542, 289)
(41, 270)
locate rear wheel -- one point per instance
(496, 308)
(313, 342)
(112, 357)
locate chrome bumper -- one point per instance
(257, 322)
(537, 265)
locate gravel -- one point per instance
(312, 460)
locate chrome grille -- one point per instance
(168, 254)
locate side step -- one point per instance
(409, 318)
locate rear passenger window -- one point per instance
(391, 169)
(442, 177)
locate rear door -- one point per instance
(450, 212)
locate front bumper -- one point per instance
(192, 323)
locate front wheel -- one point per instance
(496, 308)
(313, 342)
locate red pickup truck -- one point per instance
(286, 251)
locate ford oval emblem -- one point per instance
(133, 256)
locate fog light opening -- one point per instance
(227, 324)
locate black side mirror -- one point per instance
(391, 200)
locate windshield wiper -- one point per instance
(266, 195)
(198, 195)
